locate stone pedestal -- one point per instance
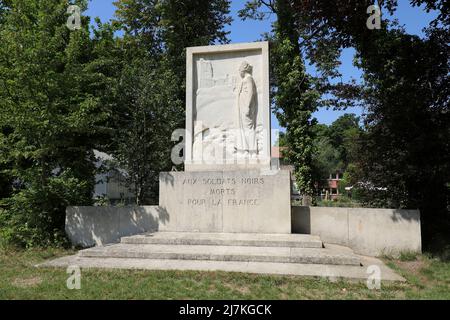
(245, 201)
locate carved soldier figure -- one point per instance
(247, 110)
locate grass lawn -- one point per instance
(427, 279)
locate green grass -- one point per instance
(408, 256)
(428, 278)
(19, 279)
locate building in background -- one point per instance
(330, 189)
(111, 187)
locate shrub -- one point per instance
(35, 215)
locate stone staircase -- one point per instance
(285, 254)
(224, 247)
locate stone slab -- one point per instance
(224, 253)
(226, 201)
(227, 239)
(332, 272)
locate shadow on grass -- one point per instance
(437, 245)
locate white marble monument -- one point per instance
(228, 185)
(228, 107)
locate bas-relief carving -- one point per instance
(247, 110)
(226, 122)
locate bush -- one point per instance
(342, 202)
(35, 215)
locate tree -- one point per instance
(151, 93)
(6, 181)
(335, 146)
(168, 27)
(294, 96)
(144, 136)
(344, 134)
(405, 90)
(326, 160)
(188, 24)
(5, 5)
(50, 119)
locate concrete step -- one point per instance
(332, 272)
(227, 239)
(224, 253)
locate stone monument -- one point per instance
(228, 185)
(231, 210)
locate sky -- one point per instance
(413, 19)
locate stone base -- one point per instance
(252, 253)
(246, 201)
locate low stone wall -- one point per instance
(371, 232)
(97, 226)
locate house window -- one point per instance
(334, 191)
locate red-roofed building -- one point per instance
(329, 189)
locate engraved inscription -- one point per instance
(223, 191)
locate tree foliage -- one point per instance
(294, 96)
(151, 92)
(406, 91)
(405, 149)
(50, 119)
(150, 113)
(336, 146)
(65, 93)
